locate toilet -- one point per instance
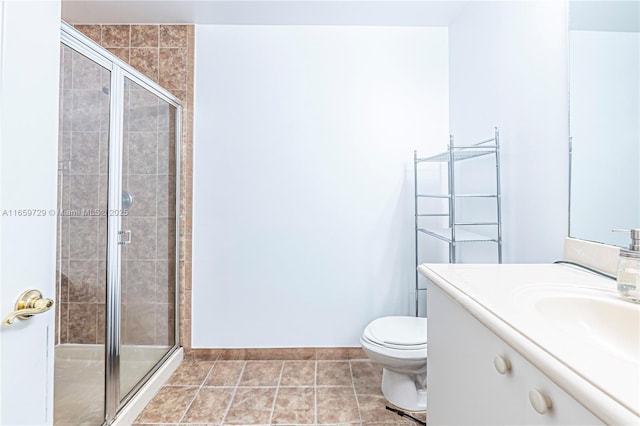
(399, 345)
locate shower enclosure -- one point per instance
(118, 192)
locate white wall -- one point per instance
(303, 208)
(508, 68)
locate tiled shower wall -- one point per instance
(165, 54)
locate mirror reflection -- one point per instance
(604, 72)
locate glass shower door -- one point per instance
(149, 259)
(81, 254)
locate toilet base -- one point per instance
(405, 391)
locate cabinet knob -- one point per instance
(502, 364)
(540, 402)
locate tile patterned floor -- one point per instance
(272, 392)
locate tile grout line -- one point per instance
(233, 394)
(315, 392)
(355, 393)
(275, 397)
(197, 393)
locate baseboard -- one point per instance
(275, 353)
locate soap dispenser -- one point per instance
(629, 268)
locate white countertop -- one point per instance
(597, 369)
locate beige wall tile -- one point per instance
(120, 52)
(204, 354)
(85, 233)
(185, 334)
(92, 31)
(276, 353)
(165, 325)
(63, 327)
(165, 274)
(143, 240)
(165, 244)
(144, 35)
(173, 68)
(145, 60)
(187, 305)
(140, 323)
(173, 35)
(62, 280)
(82, 323)
(83, 191)
(140, 281)
(101, 319)
(85, 110)
(180, 94)
(83, 281)
(86, 73)
(188, 247)
(332, 353)
(116, 35)
(144, 189)
(281, 353)
(224, 354)
(166, 195)
(142, 116)
(188, 270)
(84, 151)
(167, 160)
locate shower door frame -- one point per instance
(120, 70)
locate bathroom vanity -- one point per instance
(530, 344)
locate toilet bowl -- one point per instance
(399, 345)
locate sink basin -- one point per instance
(599, 317)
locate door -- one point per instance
(29, 70)
(83, 162)
(149, 171)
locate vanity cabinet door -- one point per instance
(564, 409)
(475, 378)
(463, 385)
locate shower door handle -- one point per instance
(29, 304)
(125, 237)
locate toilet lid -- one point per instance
(402, 331)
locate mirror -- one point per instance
(604, 119)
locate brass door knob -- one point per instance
(29, 303)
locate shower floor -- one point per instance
(79, 379)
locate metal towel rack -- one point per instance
(453, 235)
